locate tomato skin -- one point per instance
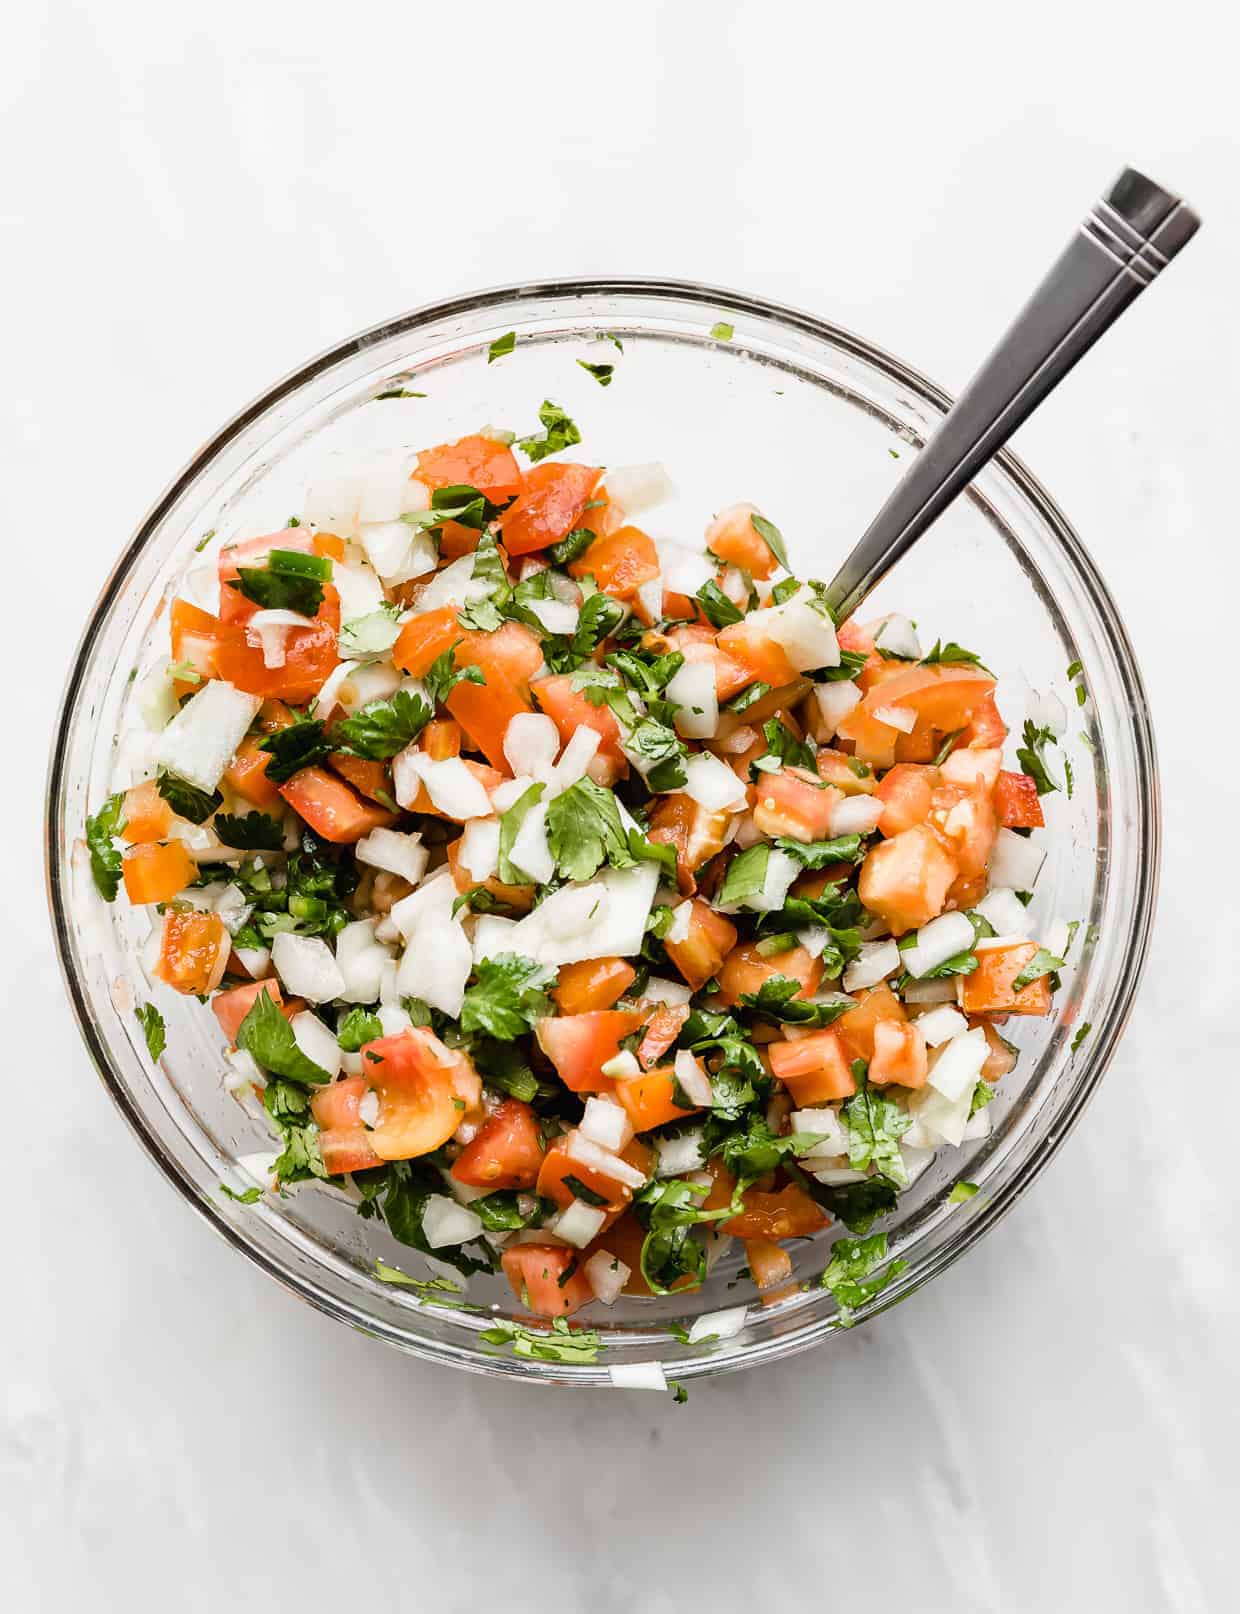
(579, 1045)
(193, 951)
(425, 1092)
(506, 1152)
(331, 808)
(788, 1214)
(985, 729)
(814, 1069)
(146, 816)
(768, 1264)
(367, 776)
(474, 461)
(595, 983)
(695, 831)
(856, 1028)
(619, 563)
(662, 1029)
(989, 989)
(569, 710)
(734, 538)
(156, 871)
(787, 803)
(253, 552)
(711, 938)
(344, 1142)
(230, 1008)
(549, 1279)
(905, 880)
(1017, 802)
(899, 1055)
(1002, 1056)
(745, 969)
(551, 503)
(648, 1099)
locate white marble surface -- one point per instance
(197, 197)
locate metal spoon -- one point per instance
(1128, 236)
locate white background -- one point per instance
(196, 198)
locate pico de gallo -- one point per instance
(575, 901)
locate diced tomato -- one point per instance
(734, 538)
(425, 1092)
(906, 880)
(872, 740)
(1017, 802)
(569, 710)
(747, 642)
(424, 638)
(441, 739)
(579, 1045)
(619, 563)
(506, 1151)
(156, 871)
(595, 983)
(331, 808)
(788, 1214)
(989, 989)
(899, 1055)
(193, 951)
(648, 1099)
(905, 793)
(768, 1264)
(1002, 1056)
(976, 765)
(966, 820)
(230, 1008)
(247, 773)
(476, 462)
(549, 1279)
(329, 544)
(145, 816)
(701, 954)
(814, 1069)
(368, 777)
(456, 540)
(856, 1028)
(695, 831)
(195, 641)
(508, 658)
(344, 1141)
(488, 778)
(944, 697)
(794, 803)
(697, 643)
(551, 503)
(662, 1029)
(558, 1166)
(518, 897)
(253, 552)
(966, 892)
(848, 774)
(985, 727)
(745, 969)
(309, 656)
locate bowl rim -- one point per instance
(1105, 1034)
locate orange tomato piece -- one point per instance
(990, 990)
(769, 1265)
(344, 1141)
(247, 773)
(441, 739)
(745, 969)
(579, 1045)
(558, 1165)
(550, 505)
(569, 710)
(747, 643)
(734, 538)
(309, 656)
(648, 1099)
(424, 638)
(701, 954)
(474, 461)
(156, 871)
(856, 1027)
(368, 777)
(905, 880)
(193, 952)
(506, 1151)
(965, 818)
(145, 816)
(697, 643)
(788, 1214)
(594, 983)
(508, 658)
(1002, 1056)
(985, 728)
(662, 1029)
(794, 803)
(195, 641)
(899, 1055)
(520, 897)
(695, 831)
(906, 793)
(848, 774)
(230, 1008)
(619, 563)
(253, 552)
(1017, 802)
(814, 1069)
(425, 1092)
(331, 808)
(548, 1279)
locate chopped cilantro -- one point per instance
(1085, 1028)
(506, 997)
(602, 373)
(875, 1125)
(396, 392)
(771, 537)
(962, 1192)
(366, 638)
(722, 331)
(186, 800)
(558, 432)
(153, 1028)
(501, 346)
(719, 610)
(290, 581)
(383, 727)
(777, 999)
(358, 1027)
(951, 655)
(571, 546)
(560, 1343)
(268, 1037)
(819, 854)
(249, 1196)
(858, 1204)
(584, 830)
(746, 874)
(1042, 963)
(443, 676)
(783, 750)
(1030, 757)
(848, 1276)
(509, 827)
(298, 746)
(250, 832)
(105, 859)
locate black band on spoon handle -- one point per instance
(1130, 234)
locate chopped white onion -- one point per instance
(575, 759)
(941, 939)
(393, 1020)
(638, 1376)
(361, 961)
(941, 1118)
(608, 1275)
(712, 784)
(1056, 940)
(453, 789)
(873, 963)
(452, 586)
(370, 681)
(479, 854)
(968, 767)
(835, 701)
(903, 718)
(611, 1166)
(199, 742)
(620, 1068)
(781, 871)
(306, 967)
(856, 815)
(693, 689)
(684, 570)
(650, 597)
(603, 919)
(718, 1324)
(929, 991)
(316, 1041)
(693, 1079)
(430, 904)
(941, 1024)
(384, 482)
(822, 1122)
(492, 936)
(578, 1224)
(330, 687)
(332, 499)
(806, 633)
(675, 1156)
(660, 990)
(444, 1222)
(606, 1123)
(977, 1126)
(531, 850)
(1015, 862)
(682, 920)
(898, 636)
(556, 616)
(260, 1167)
(531, 744)
(436, 964)
(1003, 910)
(368, 1108)
(398, 553)
(394, 852)
(636, 488)
(242, 1071)
(814, 939)
(915, 1160)
(268, 631)
(361, 592)
(959, 1065)
(257, 960)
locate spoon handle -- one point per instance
(1126, 238)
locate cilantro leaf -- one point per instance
(771, 537)
(952, 655)
(961, 1193)
(599, 615)
(655, 749)
(298, 746)
(383, 727)
(857, 1204)
(783, 750)
(777, 999)
(501, 346)
(602, 373)
(442, 677)
(268, 1037)
(500, 1212)
(875, 1124)
(249, 1196)
(720, 611)
(1031, 759)
(1085, 1028)
(396, 392)
(849, 1274)
(983, 1094)
(357, 1028)
(506, 997)
(669, 1209)
(186, 800)
(290, 581)
(749, 696)
(153, 1028)
(504, 1066)
(584, 830)
(746, 874)
(755, 1149)
(820, 854)
(105, 859)
(560, 1343)
(721, 331)
(509, 827)
(851, 663)
(250, 832)
(571, 546)
(558, 432)
(1042, 963)
(484, 612)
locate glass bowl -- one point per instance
(813, 425)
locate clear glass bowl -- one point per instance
(812, 424)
